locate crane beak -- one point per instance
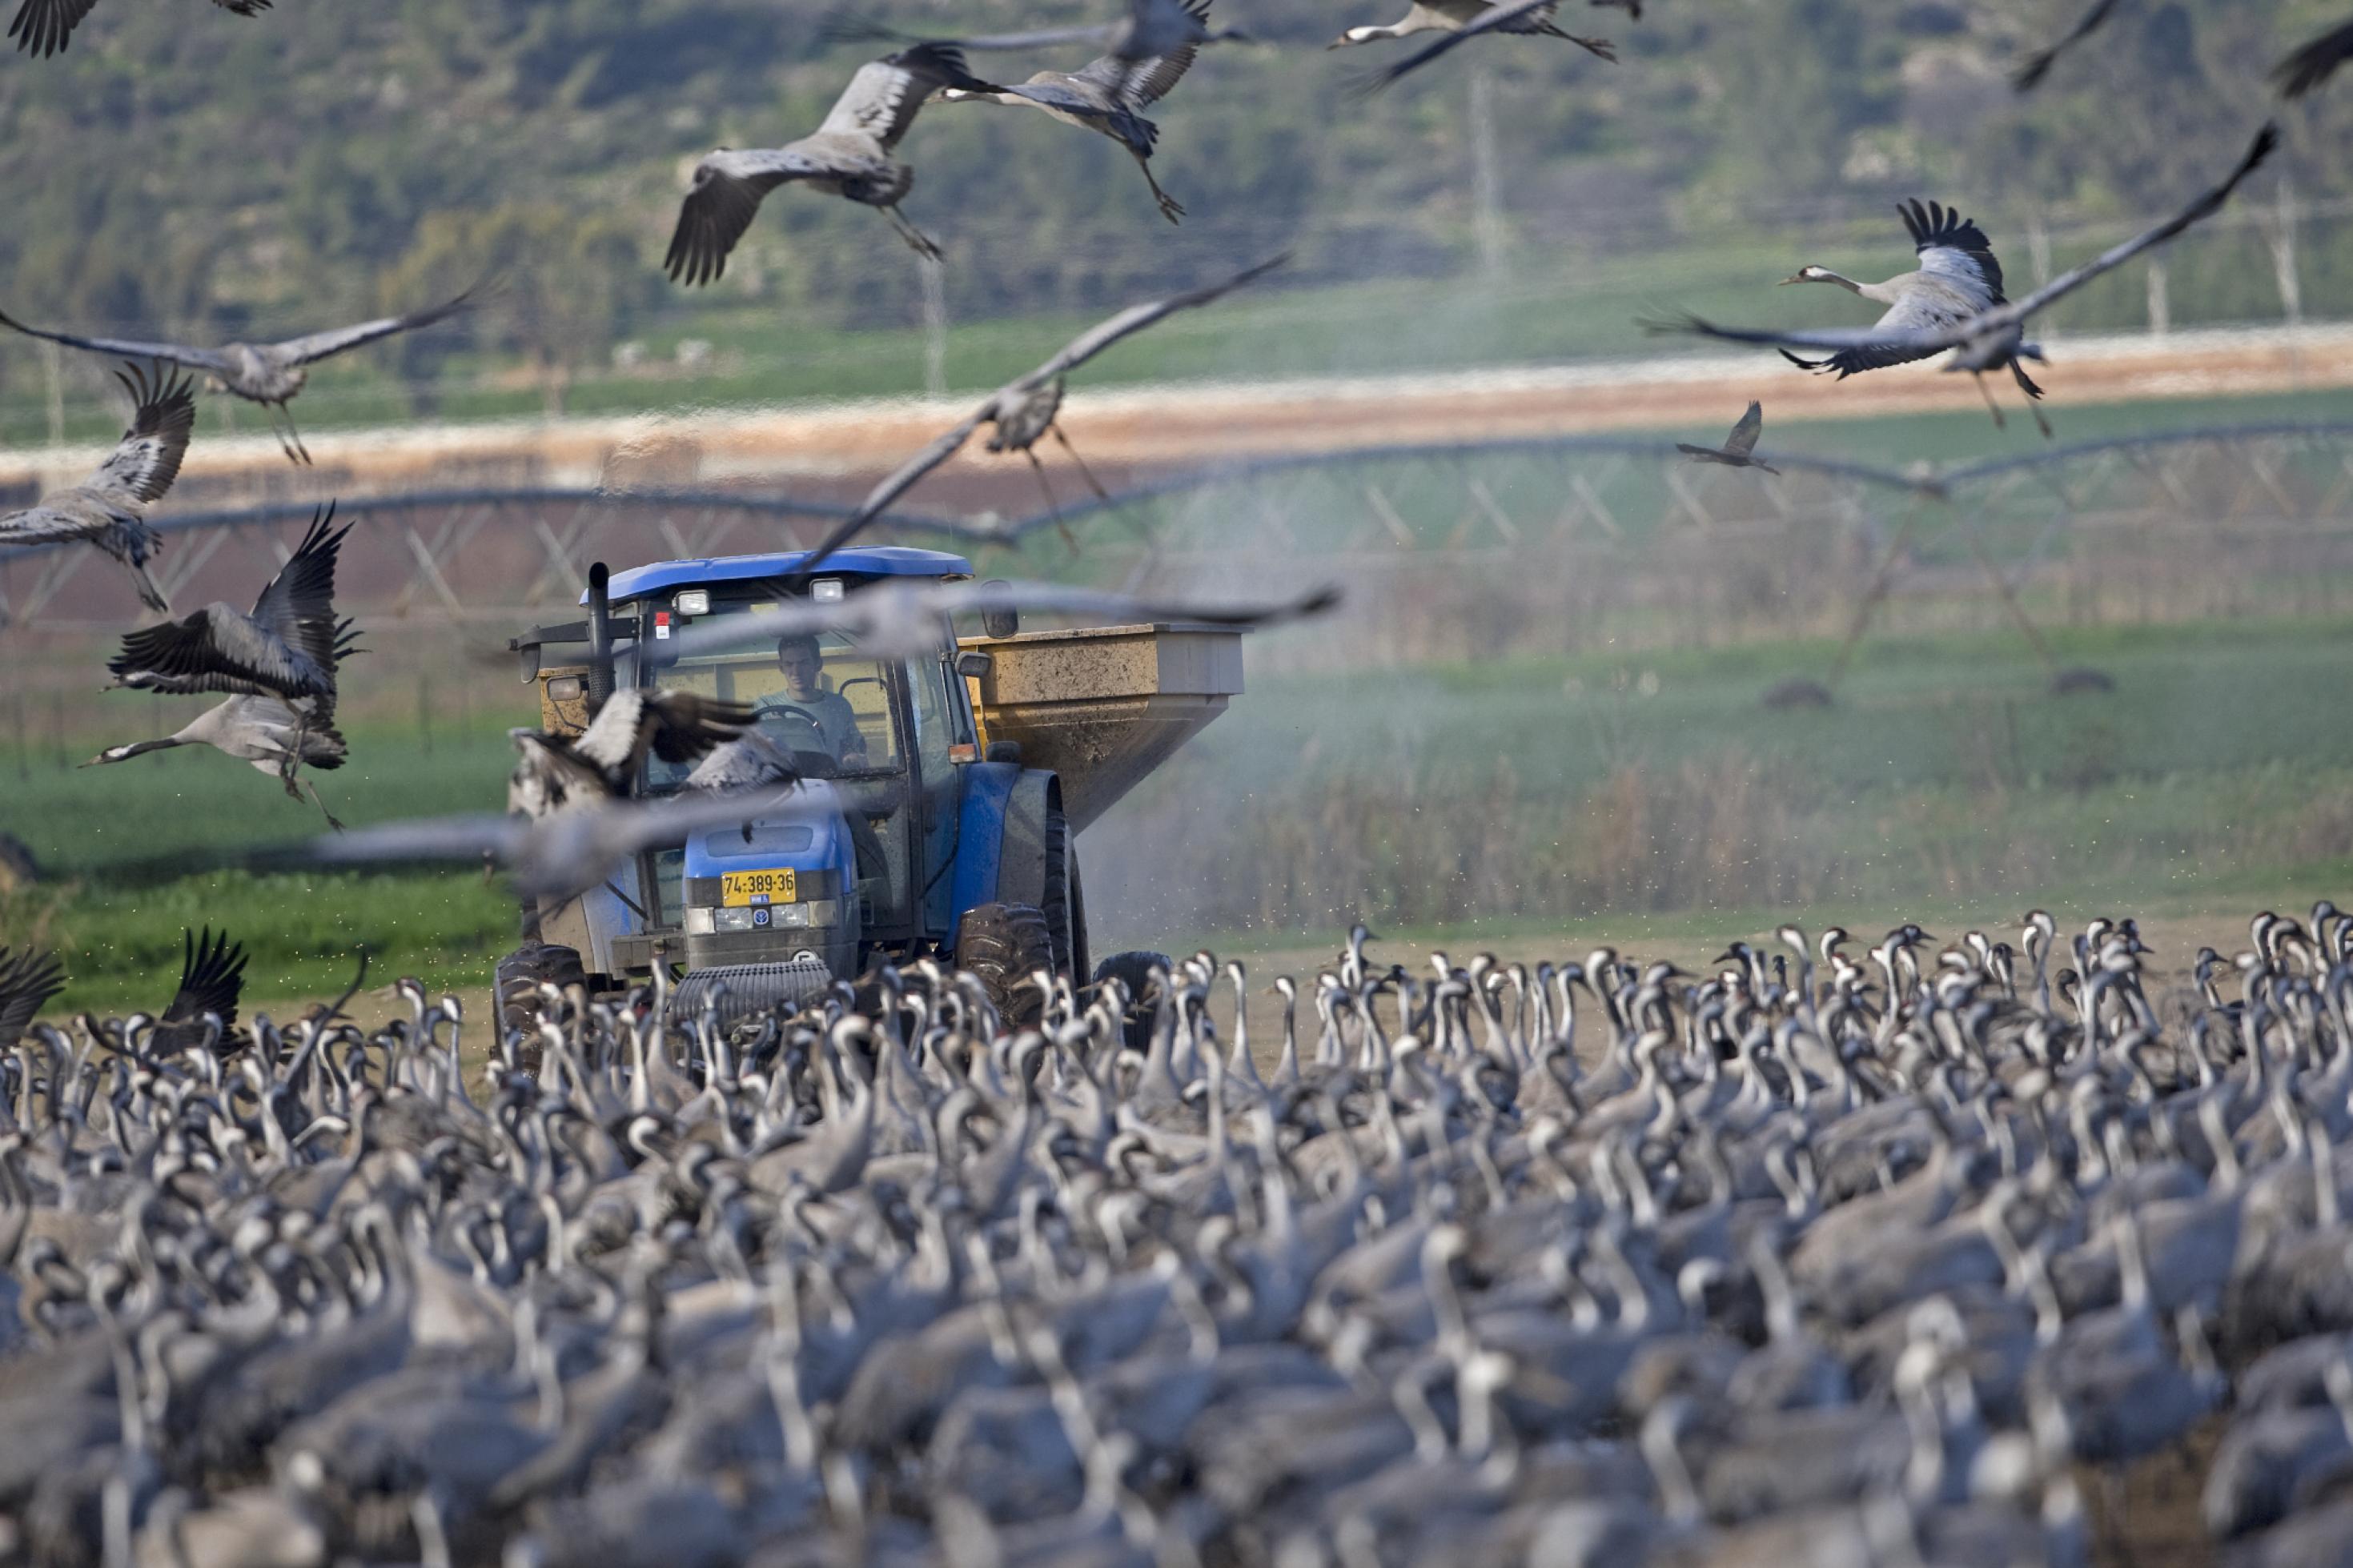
(1793, 278)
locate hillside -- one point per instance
(182, 169)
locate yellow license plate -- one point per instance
(740, 889)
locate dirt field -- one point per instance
(2176, 939)
(1156, 427)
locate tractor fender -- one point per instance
(1000, 854)
(1021, 856)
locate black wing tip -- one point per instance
(2315, 62)
(2265, 143)
(846, 24)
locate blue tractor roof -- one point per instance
(875, 561)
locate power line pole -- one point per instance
(2160, 305)
(53, 368)
(2281, 235)
(1486, 176)
(936, 327)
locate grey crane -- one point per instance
(1153, 30)
(1453, 15)
(287, 647)
(1953, 300)
(1739, 447)
(43, 27)
(275, 736)
(601, 763)
(847, 155)
(1512, 16)
(269, 733)
(109, 510)
(266, 373)
(1023, 410)
(1108, 95)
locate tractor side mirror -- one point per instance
(1003, 621)
(974, 663)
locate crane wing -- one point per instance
(897, 484)
(884, 95)
(1953, 250)
(47, 525)
(1088, 344)
(2205, 206)
(1134, 319)
(1121, 610)
(43, 27)
(28, 981)
(2316, 62)
(431, 838)
(720, 205)
(895, 620)
(1877, 343)
(147, 459)
(1516, 15)
(1139, 84)
(336, 339)
(676, 726)
(1751, 425)
(212, 980)
(298, 606)
(2038, 65)
(211, 359)
(215, 649)
(844, 26)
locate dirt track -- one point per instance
(1165, 427)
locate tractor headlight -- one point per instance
(692, 602)
(764, 917)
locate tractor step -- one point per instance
(741, 990)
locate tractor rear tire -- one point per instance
(1056, 886)
(1003, 945)
(1134, 970)
(522, 972)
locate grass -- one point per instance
(1584, 798)
(1600, 789)
(1539, 313)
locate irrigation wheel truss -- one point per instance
(1611, 514)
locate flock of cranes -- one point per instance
(1836, 1254)
(1869, 1258)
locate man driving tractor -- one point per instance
(803, 664)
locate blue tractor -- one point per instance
(940, 798)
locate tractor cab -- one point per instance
(933, 787)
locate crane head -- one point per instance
(1808, 274)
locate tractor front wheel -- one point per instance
(1003, 945)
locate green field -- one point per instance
(1600, 793)
(766, 355)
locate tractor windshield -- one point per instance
(817, 698)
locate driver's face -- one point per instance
(800, 667)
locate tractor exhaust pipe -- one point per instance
(600, 636)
